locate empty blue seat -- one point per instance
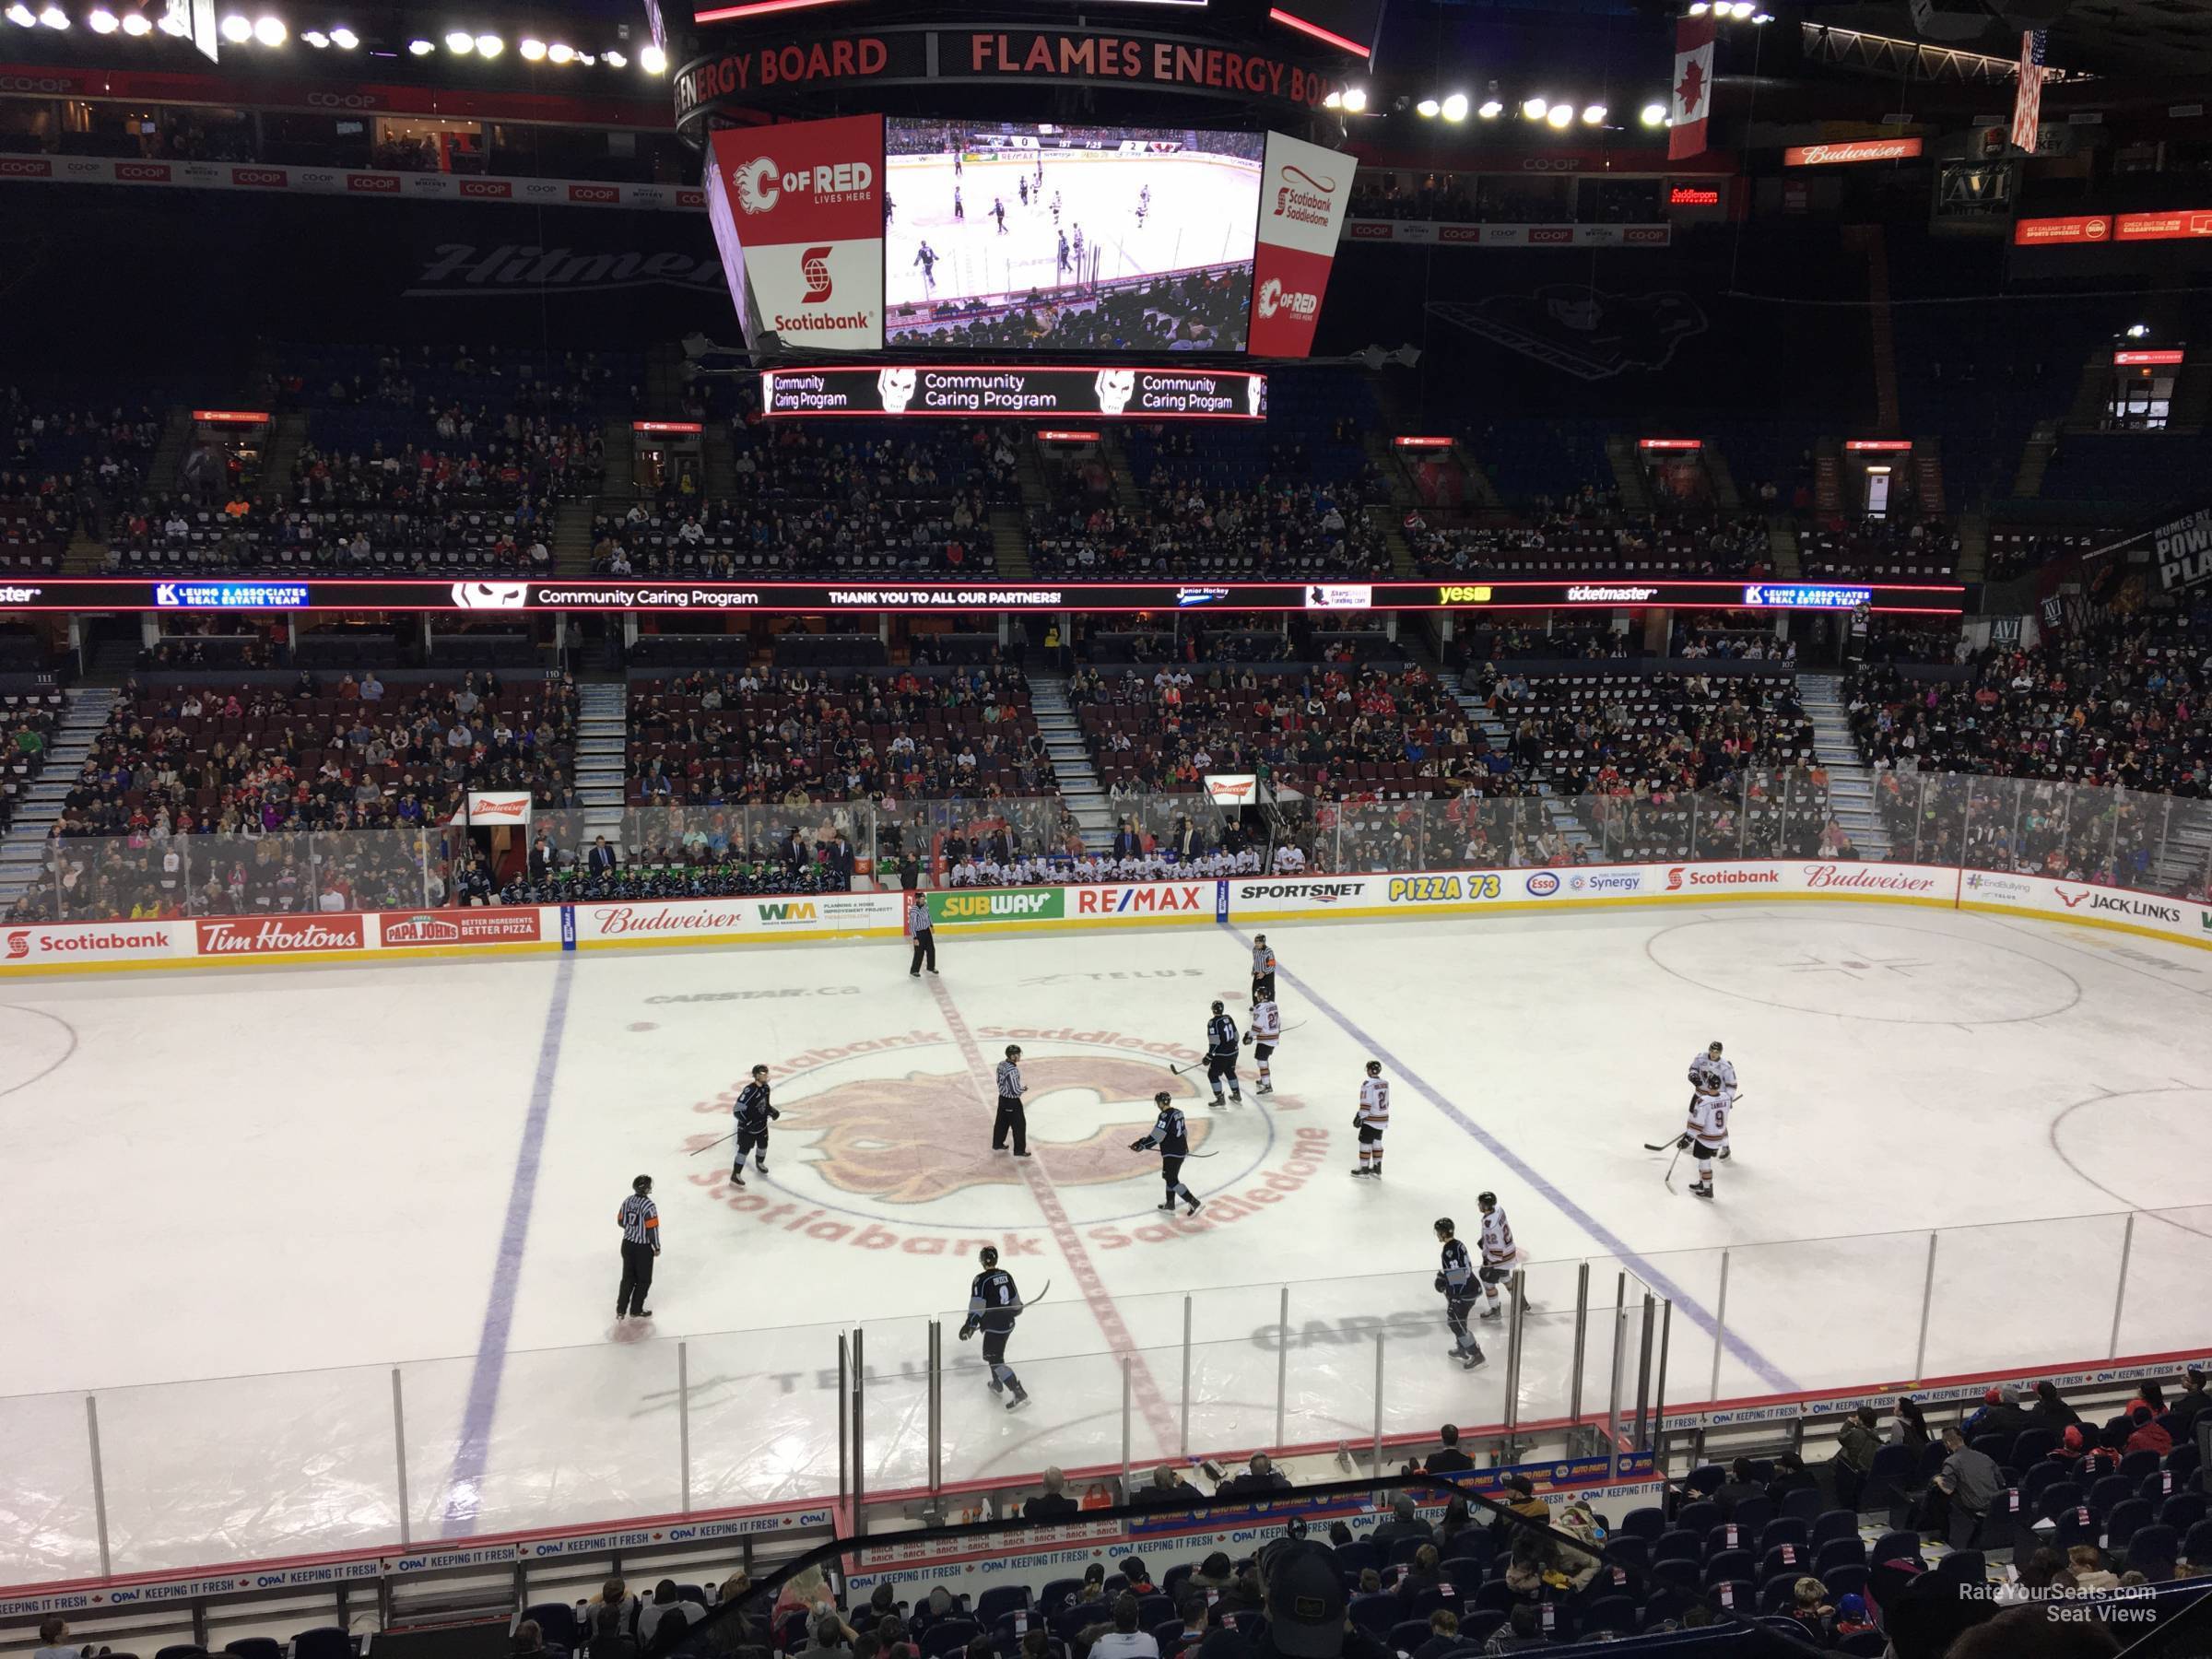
(998, 1601)
(1057, 1592)
(1804, 1503)
(1793, 1559)
(2122, 1519)
(324, 1641)
(2136, 1465)
(2109, 1490)
(256, 1647)
(1845, 1580)
(1835, 1523)
(1838, 1552)
(1895, 1546)
(1374, 1613)
(2057, 1498)
(1646, 1523)
(1893, 1469)
(2075, 1525)
(1680, 1544)
(2032, 1445)
(947, 1636)
(2152, 1549)
(1408, 1634)
(1788, 1530)
(1752, 1513)
(2183, 1512)
(1631, 1552)
(556, 1621)
(1700, 1517)
(1729, 1564)
(1614, 1615)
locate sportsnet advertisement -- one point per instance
(1304, 189)
(801, 207)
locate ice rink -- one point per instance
(1204, 211)
(255, 1212)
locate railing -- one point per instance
(2151, 842)
(1595, 1352)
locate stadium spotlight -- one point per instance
(1652, 114)
(616, 60)
(654, 61)
(1560, 115)
(1762, 17)
(420, 48)
(490, 45)
(1699, 9)
(460, 42)
(2138, 331)
(136, 25)
(21, 16)
(586, 59)
(531, 49)
(315, 38)
(1741, 10)
(559, 54)
(102, 21)
(271, 32)
(237, 29)
(1355, 100)
(172, 24)
(1334, 101)
(54, 16)
(1534, 108)
(1456, 106)
(1427, 109)
(1491, 109)
(1593, 115)
(344, 38)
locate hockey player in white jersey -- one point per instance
(1706, 1134)
(1371, 1120)
(1498, 1253)
(1711, 1066)
(1265, 1032)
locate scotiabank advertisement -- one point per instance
(804, 202)
(1303, 189)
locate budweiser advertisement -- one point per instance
(1304, 189)
(1851, 150)
(800, 209)
(492, 807)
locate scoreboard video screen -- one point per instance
(1080, 239)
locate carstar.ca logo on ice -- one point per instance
(869, 1166)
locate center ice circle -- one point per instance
(32, 1044)
(1863, 970)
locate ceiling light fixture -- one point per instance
(1532, 109)
(345, 40)
(1560, 115)
(531, 49)
(654, 61)
(460, 42)
(271, 32)
(1427, 109)
(136, 25)
(420, 48)
(559, 54)
(1456, 106)
(1355, 100)
(1491, 109)
(1593, 115)
(1652, 114)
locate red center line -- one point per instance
(1141, 1384)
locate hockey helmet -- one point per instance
(1444, 1225)
(760, 1071)
(1713, 1047)
(1217, 1005)
(990, 1255)
(1374, 1068)
(1162, 1098)
(1488, 1201)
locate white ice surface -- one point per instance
(237, 1202)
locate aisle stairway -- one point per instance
(84, 711)
(602, 753)
(1073, 774)
(1493, 729)
(1850, 781)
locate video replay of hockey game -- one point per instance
(1009, 235)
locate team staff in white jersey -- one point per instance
(1265, 1031)
(1709, 1067)
(1706, 1133)
(1499, 1251)
(1371, 1120)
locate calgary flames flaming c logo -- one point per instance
(899, 1139)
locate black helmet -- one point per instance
(1217, 1005)
(1488, 1200)
(643, 1184)
(1163, 1098)
(758, 1069)
(1444, 1225)
(1374, 1068)
(1713, 1047)
(990, 1255)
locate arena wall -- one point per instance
(40, 948)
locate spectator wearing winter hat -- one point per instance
(2145, 1435)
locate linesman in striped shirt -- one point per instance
(1012, 1118)
(640, 1224)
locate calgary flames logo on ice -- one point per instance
(897, 1140)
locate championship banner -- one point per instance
(800, 210)
(2183, 548)
(1303, 190)
(1690, 99)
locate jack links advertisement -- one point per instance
(966, 391)
(818, 598)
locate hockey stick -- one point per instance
(1670, 1167)
(1040, 1295)
(1663, 1146)
(712, 1144)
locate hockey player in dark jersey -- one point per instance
(993, 1304)
(1455, 1282)
(753, 1112)
(1221, 1054)
(1170, 1134)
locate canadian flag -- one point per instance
(1692, 98)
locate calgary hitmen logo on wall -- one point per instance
(884, 1145)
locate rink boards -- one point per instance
(34, 947)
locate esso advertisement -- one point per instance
(1303, 189)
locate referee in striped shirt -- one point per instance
(640, 1244)
(1010, 1113)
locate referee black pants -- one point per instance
(637, 1278)
(925, 947)
(1011, 1117)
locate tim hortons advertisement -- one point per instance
(1304, 189)
(804, 202)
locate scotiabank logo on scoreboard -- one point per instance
(806, 203)
(1303, 191)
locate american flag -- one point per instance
(2028, 102)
